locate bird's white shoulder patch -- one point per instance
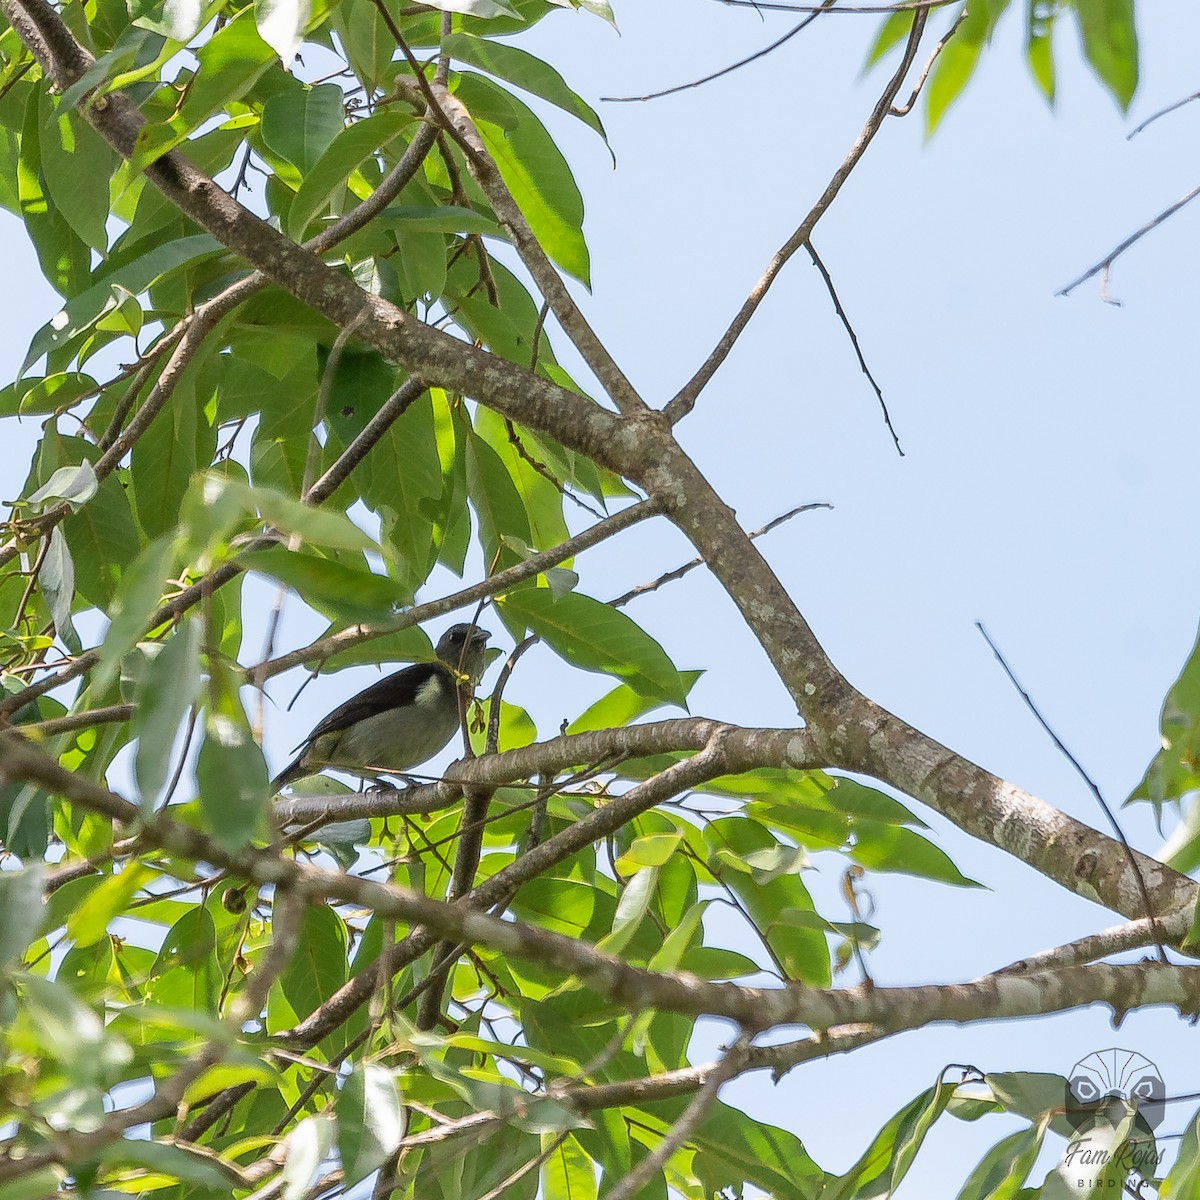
(429, 691)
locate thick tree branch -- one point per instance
(1123, 986)
(742, 749)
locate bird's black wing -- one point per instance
(395, 691)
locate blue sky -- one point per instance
(1049, 486)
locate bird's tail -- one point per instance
(293, 771)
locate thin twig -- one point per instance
(1162, 112)
(920, 6)
(750, 58)
(1091, 786)
(1107, 261)
(492, 585)
(392, 409)
(845, 320)
(685, 399)
(514, 439)
(679, 572)
(904, 109)
(687, 1123)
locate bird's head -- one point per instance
(462, 647)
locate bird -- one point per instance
(399, 722)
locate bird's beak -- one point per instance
(480, 636)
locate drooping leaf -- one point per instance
(370, 1120)
(521, 68)
(167, 689)
(1110, 44)
(281, 24)
(534, 170)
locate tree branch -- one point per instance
(685, 399)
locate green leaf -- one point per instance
(89, 922)
(1039, 50)
(485, 9)
(63, 255)
(307, 1145)
(801, 952)
(445, 219)
(177, 20)
(369, 43)
(885, 847)
(650, 851)
(165, 458)
(894, 29)
(21, 904)
(77, 164)
(281, 24)
(405, 645)
(230, 771)
(348, 150)
(519, 67)
(57, 581)
(954, 67)
(568, 1173)
(1175, 769)
(596, 637)
(499, 509)
(734, 1149)
(623, 706)
(1033, 1095)
(70, 1032)
(891, 1152)
(318, 968)
(1183, 1179)
(631, 908)
(137, 599)
(167, 689)
(230, 63)
(371, 1120)
(76, 485)
(44, 394)
(317, 526)
(541, 499)
(339, 591)
(130, 279)
(167, 1159)
(35, 1186)
(534, 170)
(1110, 44)
(1002, 1171)
(300, 125)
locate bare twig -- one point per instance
(1162, 112)
(845, 320)
(903, 110)
(921, 6)
(750, 58)
(1092, 787)
(494, 584)
(392, 409)
(679, 572)
(685, 399)
(1107, 261)
(731, 1064)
